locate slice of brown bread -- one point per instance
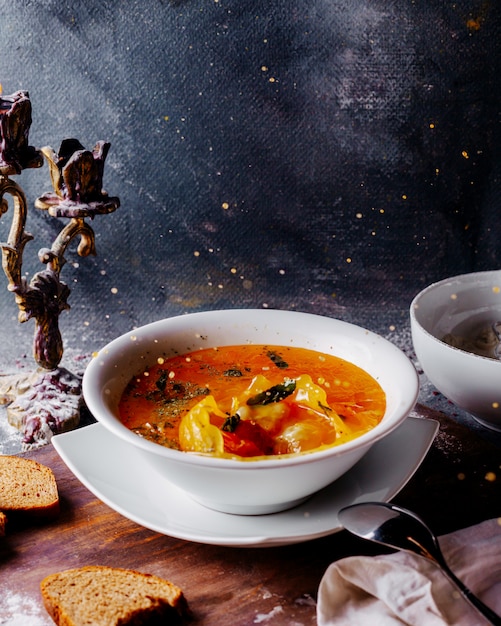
(27, 486)
(109, 596)
(3, 524)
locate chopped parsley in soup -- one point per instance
(252, 401)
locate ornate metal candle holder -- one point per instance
(49, 399)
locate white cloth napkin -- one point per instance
(401, 588)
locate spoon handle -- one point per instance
(492, 617)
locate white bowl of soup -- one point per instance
(456, 331)
(250, 411)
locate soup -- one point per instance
(252, 401)
(483, 339)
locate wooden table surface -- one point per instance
(453, 488)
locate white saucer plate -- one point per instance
(116, 474)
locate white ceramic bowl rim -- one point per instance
(91, 382)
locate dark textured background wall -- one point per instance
(322, 155)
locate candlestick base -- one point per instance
(42, 403)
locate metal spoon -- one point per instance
(399, 528)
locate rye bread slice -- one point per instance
(108, 596)
(27, 487)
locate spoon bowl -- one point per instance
(398, 528)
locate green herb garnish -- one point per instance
(162, 380)
(273, 394)
(230, 423)
(277, 359)
(233, 372)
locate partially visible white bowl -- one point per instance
(261, 486)
(456, 305)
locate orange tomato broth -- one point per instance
(340, 401)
